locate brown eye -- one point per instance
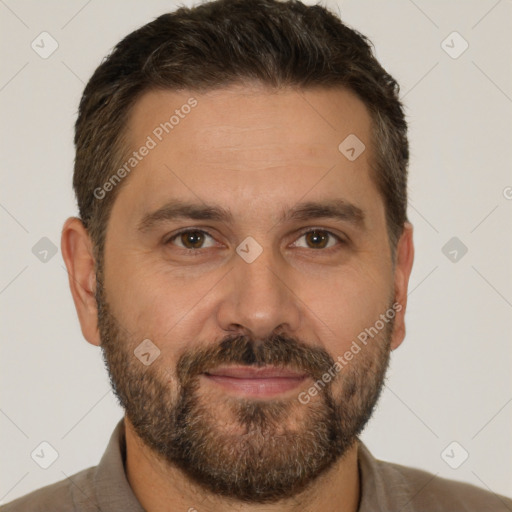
(191, 239)
(319, 239)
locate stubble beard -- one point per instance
(254, 451)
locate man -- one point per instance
(242, 257)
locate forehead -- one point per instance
(242, 144)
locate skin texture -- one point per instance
(256, 152)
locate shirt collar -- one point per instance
(113, 492)
(383, 487)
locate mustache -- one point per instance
(276, 350)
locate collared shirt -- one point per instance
(385, 487)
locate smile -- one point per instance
(256, 382)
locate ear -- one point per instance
(77, 251)
(404, 260)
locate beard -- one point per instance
(254, 451)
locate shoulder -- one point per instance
(429, 492)
(72, 493)
(387, 486)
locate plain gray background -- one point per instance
(451, 378)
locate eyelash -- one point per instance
(340, 240)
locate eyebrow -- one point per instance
(337, 209)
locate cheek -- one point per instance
(352, 303)
(136, 297)
(158, 304)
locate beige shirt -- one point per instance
(385, 487)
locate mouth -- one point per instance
(263, 382)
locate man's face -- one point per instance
(262, 289)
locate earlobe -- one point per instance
(77, 251)
(404, 261)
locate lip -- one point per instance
(257, 382)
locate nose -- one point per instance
(259, 298)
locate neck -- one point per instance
(164, 488)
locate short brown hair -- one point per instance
(222, 42)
